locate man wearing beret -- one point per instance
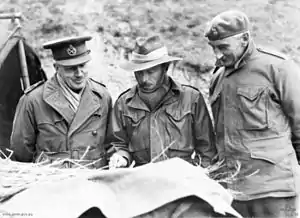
(65, 117)
(158, 118)
(255, 102)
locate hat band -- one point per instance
(154, 55)
(72, 57)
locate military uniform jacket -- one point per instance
(256, 107)
(178, 126)
(44, 124)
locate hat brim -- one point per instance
(74, 61)
(131, 66)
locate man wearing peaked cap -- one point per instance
(70, 51)
(255, 104)
(158, 118)
(66, 116)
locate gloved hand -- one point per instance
(117, 161)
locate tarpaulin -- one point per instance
(172, 187)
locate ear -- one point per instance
(165, 66)
(245, 39)
(55, 66)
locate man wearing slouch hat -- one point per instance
(158, 118)
(65, 117)
(255, 103)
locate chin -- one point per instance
(77, 87)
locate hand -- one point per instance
(117, 161)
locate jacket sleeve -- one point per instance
(118, 138)
(204, 134)
(287, 82)
(23, 137)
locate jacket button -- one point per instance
(94, 133)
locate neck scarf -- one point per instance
(152, 99)
(73, 98)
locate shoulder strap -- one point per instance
(98, 82)
(272, 52)
(193, 87)
(34, 86)
(123, 93)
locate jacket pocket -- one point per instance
(134, 119)
(51, 125)
(252, 104)
(133, 122)
(178, 117)
(179, 124)
(276, 151)
(95, 121)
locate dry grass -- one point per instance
(16, 176)
(217, 171)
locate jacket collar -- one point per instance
(246, 56)
(133, 100)
(53, 96)
(94, 88)
(89, 103)
(249, 52)
(222, 72)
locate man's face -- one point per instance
(228, 51)
(150, 79)
(74, 76)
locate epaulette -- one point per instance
(34, 86)
(127, 90)
(216, 69)
(193, 87)
(98, 82)
(272, 52)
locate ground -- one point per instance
(114, 24)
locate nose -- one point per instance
(144, 76)
(218, 54)
(78, 71)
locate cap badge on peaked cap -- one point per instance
(71, 50)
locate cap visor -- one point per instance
(75, 61)
(130, 66)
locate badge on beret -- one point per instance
(214, 31)
(71, 50)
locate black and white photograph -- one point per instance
(149, 108)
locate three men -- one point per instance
(66, 116)
(158, 118)
(255, 104)
(253, 98)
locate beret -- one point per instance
(226, 24)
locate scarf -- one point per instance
(152, 99)
(73, 98)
